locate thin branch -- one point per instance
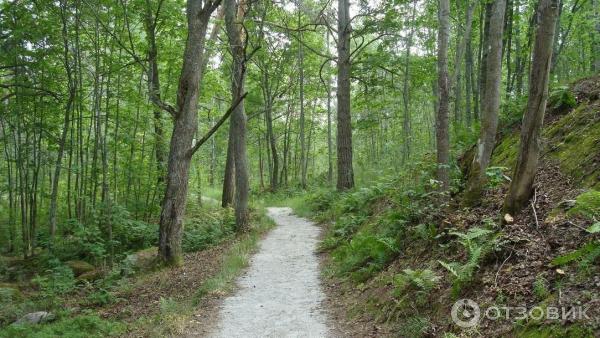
(212, 130)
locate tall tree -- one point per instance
(345, 177)
(441, 130)
(521, 186)
(185, 124)
(234, 16)
(71, 87)
(490, 104)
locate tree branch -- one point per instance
(217, 125)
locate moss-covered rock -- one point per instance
(90, 276)
(505, 153)
(79, 267)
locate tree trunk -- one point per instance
(63, 137)
(442, 133)
(406, 125)
(596, 47)
(233, 24)
(521, 187)
(345, 179)
(329, 139)
(490, 105)
(185, 125)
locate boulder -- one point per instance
(80, 267)
(90, 276)
(36, 318)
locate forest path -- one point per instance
(280, 294)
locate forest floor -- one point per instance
(280, 294)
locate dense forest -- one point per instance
(143, 140)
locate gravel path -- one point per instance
(280, 294)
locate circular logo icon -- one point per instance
(465, 313)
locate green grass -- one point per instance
(79, 326)
(174, 316)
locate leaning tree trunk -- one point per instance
(345, 179)
(185, 125)
(238, 120)
(490, 105)
(521, 187)
(442, 134)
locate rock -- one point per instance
(80, 267)
(36, 318)
(90, 276)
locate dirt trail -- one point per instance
(280, 294)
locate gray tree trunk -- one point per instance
(63, 137)
(521, 187)
(233, 24)
(185, 125)
(442, 133)
(490, 105)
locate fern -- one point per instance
(478, 243)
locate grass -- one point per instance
(235, 260)
(86, 325)
(173, 316)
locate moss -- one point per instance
(505, 153)
(574, 141)
(587, 205)
(80, 267)
(554, 331)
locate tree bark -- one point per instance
(234, 15)
(490, 105)
(345, 179)
(521, 187)
(63, 137)
(442, 132)
(185, 125)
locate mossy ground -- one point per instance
(405, 213)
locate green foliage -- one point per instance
(587, 205)
(208, 228)
(58, 280)
(586, 255)
(540, 288)
(364, 254)
(495, 176)
(478, 243)
(415, 283)
(414, 326)
(90, 240)
(561, 98)
(82, 326)
(100, 297)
